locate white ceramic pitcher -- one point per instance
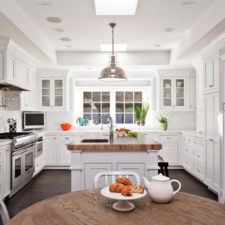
(160, 188)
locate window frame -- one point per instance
(78, 107)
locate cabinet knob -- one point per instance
(211, 85)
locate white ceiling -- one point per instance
(141, 32)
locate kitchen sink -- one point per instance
(94, 141)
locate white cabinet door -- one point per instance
(174, 93)
(51, 150)
(91, 170)
(209, 103)
(52, 93)
(179, 93)
(213, 154)
(169, 153)
(212, 67)
(64, 154)
(10, 68)
(5, 175)
(22, 73)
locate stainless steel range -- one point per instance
(22, 158)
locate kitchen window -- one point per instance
(95, 104)
(125, 104)
(117, 103)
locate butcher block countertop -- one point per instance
(141, 143)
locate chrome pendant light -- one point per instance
(112, 72)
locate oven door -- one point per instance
(39, 148)
(29, 162)
(17, 167)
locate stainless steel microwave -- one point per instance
(33, 120)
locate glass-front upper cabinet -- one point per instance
(173, 93)
(52, 93)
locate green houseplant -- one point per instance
(140, 113)
(163, 120)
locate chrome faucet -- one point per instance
(110, 127)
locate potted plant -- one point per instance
(137, 114)
(144, 113)
(82, 121)
(141, 114)
(163, 120)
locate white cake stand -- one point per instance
(123, 203)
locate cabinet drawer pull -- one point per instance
(66, 138)
(211, 85)
(199, 170)
(198, 156)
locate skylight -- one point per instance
(117, 47)
(115, 7)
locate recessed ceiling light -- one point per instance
(170, 29)
(117, 47)
(43, 3)
(188, 3)
(68, 46)
(157, 46)
(53, 19)
(115, 7)
(60, 30)
(65, 39)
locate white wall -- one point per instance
(5, 114)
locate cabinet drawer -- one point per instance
(199, 155)
(187, 163)
(187, 150)
(199, 168)
(168, 138)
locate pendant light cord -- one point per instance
(112, 25)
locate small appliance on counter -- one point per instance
(33, 120)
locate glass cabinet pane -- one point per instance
(119, 118)
(179, 92)
(167, 92)
(46, 101)
(58, 84)
(45, 83)
(58, 101)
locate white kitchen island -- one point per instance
(87, 159)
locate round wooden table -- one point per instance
(90, 208)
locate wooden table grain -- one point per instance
(90, 208)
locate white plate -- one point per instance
(118, 196)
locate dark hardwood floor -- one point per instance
(54, 182)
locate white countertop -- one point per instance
(5, 142)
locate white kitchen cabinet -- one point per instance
(213, 154)
(27, 99)
(173, 93)
(211, 72)
(91, 170)
(56, 153)
(16, 66)
(23, 101)
(5, 163)
(193, 156)
(51, 150)
(52, 93)
(170, 148)
(64, 154)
